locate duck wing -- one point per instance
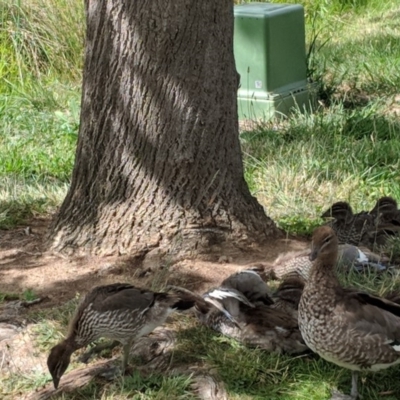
(369, 314)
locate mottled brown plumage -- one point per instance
(293, 263)
(298, 264)
(387, 219)
(386, 211)
(371, 228)
(120, 312)
(340, 211)
(257, 323)
(350, 228)
(349, 328)
(288, 294)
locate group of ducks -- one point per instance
(368, 228)
(310, 310)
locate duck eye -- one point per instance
(327, 240)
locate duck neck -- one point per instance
(71, 343)
(74, 339)
(323, 273)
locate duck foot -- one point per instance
(85, 357)
(112, 373)
(116, 371)
(336, 395)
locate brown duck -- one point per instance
(257, 323)
(350, 228)
(352, 329)
(387, 219)
(120, 312)
(298, 264)
(386, 211)
(287, 296)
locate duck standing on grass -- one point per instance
(352, 329)
(119, 311)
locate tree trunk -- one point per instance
(158, 161)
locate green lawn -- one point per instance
(348, 149)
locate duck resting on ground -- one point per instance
(350, 257)
(288, 294)
(387, 218)
(256, 323)
(386, 212)
(366, 228)
(120, 312)
(352, 329)
(350, 228)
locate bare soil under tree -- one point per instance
(26, 265)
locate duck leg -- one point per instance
(340, 396)
(85, 357)
(354, 381)
(118, 370)
(125, 356)
(354, 392)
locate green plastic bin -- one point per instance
(270, 56)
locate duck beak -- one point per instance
(313, 255)
(56, 381)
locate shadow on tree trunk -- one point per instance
(158, 161)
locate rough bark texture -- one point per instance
(158, 161)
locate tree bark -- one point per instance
(158, 161)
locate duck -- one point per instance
(119, 311)
(386, 211)
(347, 327)
(360, 259)
(250, 284)
(350, 257)
(387, 219)
(287, 295)
(256, 323)
(350, 228)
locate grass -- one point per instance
(348, 150)
(37, 145)
(40, 71)
(247, 373)
(40, 40)
(26, 295)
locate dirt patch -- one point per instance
(26, 265)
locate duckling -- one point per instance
(340, 211)
(386, 211)
(350, 228)
(352, 329)
(256, 324)
(387, 220)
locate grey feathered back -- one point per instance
(250, 284)
(258, 323)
